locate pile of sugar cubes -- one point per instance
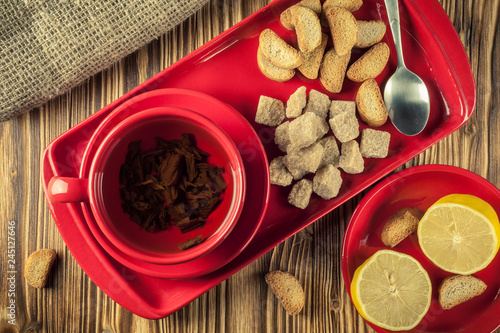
(309, 149)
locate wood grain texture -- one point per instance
(243, 303)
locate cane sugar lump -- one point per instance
(270, 111)
(327, 182)
(300, 194)
(296, 103)
(306, 130)
(331, 152)
(374, 143)
(281, 136)
(345, 125)
(318, 103)
(307, 159)
(278, 172)
(351, 160)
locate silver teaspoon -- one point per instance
(406, 96)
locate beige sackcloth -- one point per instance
(49, 46)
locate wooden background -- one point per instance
(72, 302)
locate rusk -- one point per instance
(273, 72)
(308, 28)
(343, 27)
(370, 33)
(287, 289)
(312, 60)
(456, 289)
(37, 267)
(370, 64)
(370, 104)
(277, 51)
(332, 71)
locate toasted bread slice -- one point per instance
(287, 289)
(314, 5)
(286, 16)
(277, 51)
(37, 267)
(457, 289)
(370, 104)
(308, 28)
(350, 5)
(272, 72)
(400, 225)
(370, 64)
(343, 27)
(312, 60)
(332, 70)
(370, 33)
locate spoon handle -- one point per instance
(392, 8)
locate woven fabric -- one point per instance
(49, 46)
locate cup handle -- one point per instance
(67, 189)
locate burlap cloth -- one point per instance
(50, 46)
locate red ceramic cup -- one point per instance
(101, 189)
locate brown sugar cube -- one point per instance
(296, 103)
(374, 143)
(318, 103)
(281, 136)
(350, 159)
(278, 172)
(37, 267)
(327, 182)
(400, 225)
(301, 193)
(305, 130)
(345, 125)
(270, 111)
(338, 106)
(331, 152)
(297, 174)
(306, 159)
(287, 290)
(312, 60)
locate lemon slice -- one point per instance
(460, 233)
(391, 290)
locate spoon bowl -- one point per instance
(407, 101)
(405, 94)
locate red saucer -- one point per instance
(420, 187)
(256, 167)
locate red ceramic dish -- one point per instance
(249, 148)
(420, 187)
(167, 123)
(226, 68)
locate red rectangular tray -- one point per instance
(226, 68)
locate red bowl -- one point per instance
(420, 187)
(168, 123)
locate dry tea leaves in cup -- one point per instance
(170, 185)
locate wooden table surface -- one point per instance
(73, 303)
